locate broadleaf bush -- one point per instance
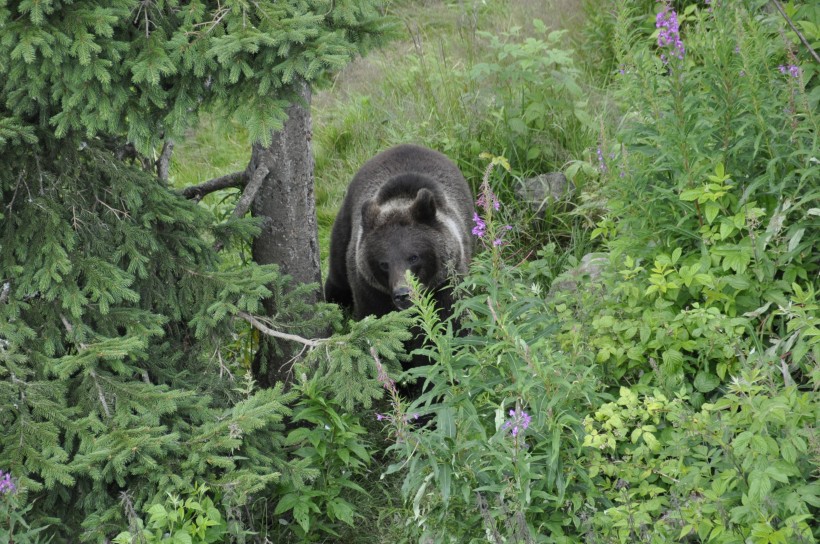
(673, 396)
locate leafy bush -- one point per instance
(504, 411)
(741, 469)
(333, 455)
(531, 89)
(13, 513)
(177, 521)
(673, 399)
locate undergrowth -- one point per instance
(634, 361)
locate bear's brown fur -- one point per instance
(407, 208)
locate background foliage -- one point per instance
(637, 361)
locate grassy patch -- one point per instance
(422, 88)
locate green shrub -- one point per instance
(739, 470)
(504, 409)
(333, 455)
(673, 399)
(192, 520)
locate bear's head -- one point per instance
(406, 234)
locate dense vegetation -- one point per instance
(639, 357)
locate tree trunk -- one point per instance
(287, 205)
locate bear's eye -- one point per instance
(413, 259)
(385, 266)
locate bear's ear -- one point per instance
(370, 212)
(424, 207)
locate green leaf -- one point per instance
(711, 210)
(301, 514)
(182, 537)
(651, 441)
(673, 358)
(446, 422)
(706, 382)
(690, 195)
(286, 503)
(778, 472)
(788, 451)
(759, 486)
(341, 509)
(726, 229)
(445, 477)
(795, 239)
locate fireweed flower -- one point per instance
(669, 37)
(519, 421)
(601, 162)
(487, 198)
(6, 484)
(791, 70)
(499, 241)
(487, 201)
(480, 228)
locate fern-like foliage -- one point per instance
(344, 363)
(147, 68)
(114, 311)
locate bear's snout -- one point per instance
(401, 297)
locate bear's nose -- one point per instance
(401, 297)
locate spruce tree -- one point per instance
(116, 311)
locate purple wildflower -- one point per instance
(379, 416)
(6, 484)
(480, 228)
(669, 36)
(601, 162)
(500, 241)
(519, 421)
(791, 70)
(485, 200)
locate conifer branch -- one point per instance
(196, 192)
(100, 394)
(70, 329)
(264, 329)
(800, 35)
(131, 516)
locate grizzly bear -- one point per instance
(407, 208)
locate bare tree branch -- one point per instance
(261, 327)
(164, 160)
(247, 197)
(803, 39)
(250, 191)
(196, 192)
